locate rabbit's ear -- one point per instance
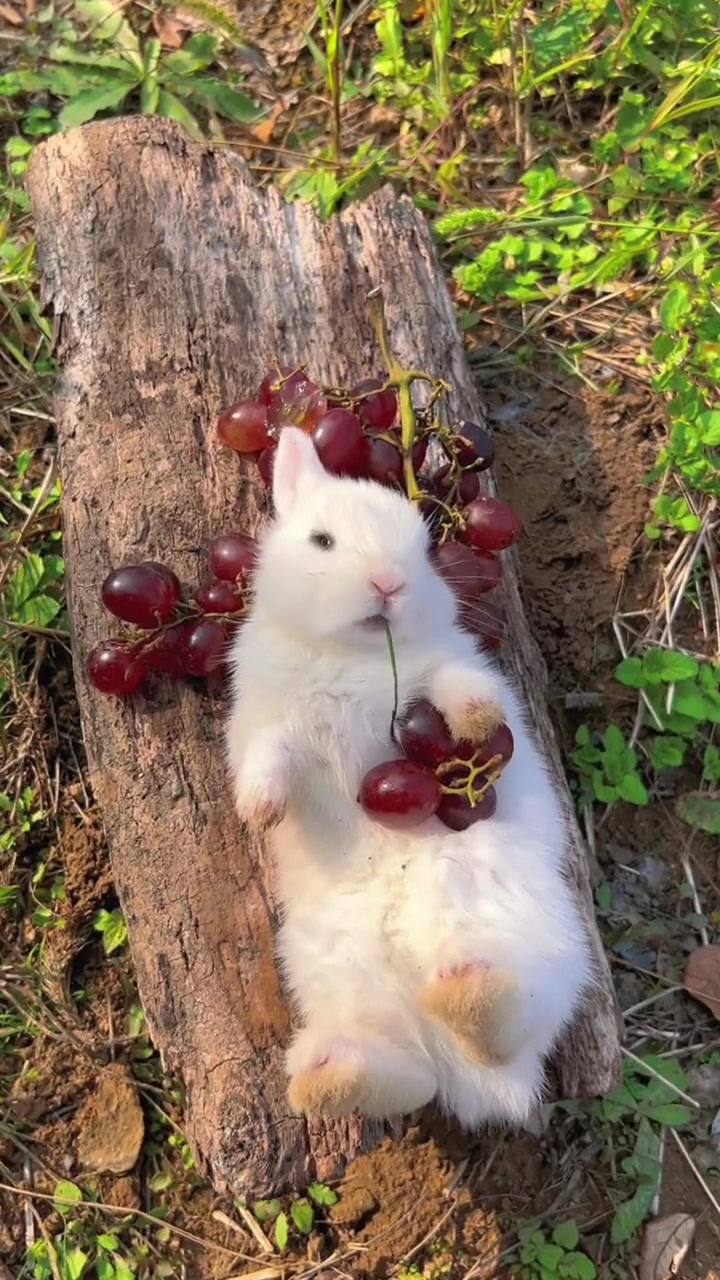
(296, 468)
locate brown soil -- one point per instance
(572, 462)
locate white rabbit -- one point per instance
(425, 963)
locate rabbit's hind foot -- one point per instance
(478, 1004)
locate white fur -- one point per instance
(368, 913)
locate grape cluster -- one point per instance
(353, 432)
(455, 781)
(356, 433)
(164, 632)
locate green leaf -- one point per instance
(666, 752)
(104, 1268)
(322, 1195)
(613, 740)
(282, 1232)
(689, 701)
(86, 105)
(303, 1216)
(17, 147)
(75, 1262)
(672, 1114)
(603, 793)
(112, 61)
(266, 1210)
(196, 54)
(700, 809)
(225, 101)
(151, 55)
(53, 569)
(711, 764)
(66, 1194)
(709, 424)
(632, 789)
(107, 1241)
(149, 96)
(111, 925)
(549, 1255)
(38, 612)
(106, 20)
(566, 1234)
(26, 579)
(579, 1266)
(675, 306)
(173, 109)
(630, 1215)
(115, 935)
(630, 672)
(673, 666)
(603, 898)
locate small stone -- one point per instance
(704, 1084)
(111, 1126)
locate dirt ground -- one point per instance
(571, 461)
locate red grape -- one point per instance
(165, 571)
(205, 647)
(469, 573)
(243, 427)
(457, 813)
(491, 525)
(377, 412)
(232, 557)
(298, 403)
(432, 513)
(265, 464)
(484, 620)
(166, 653)
(418, 452)
(217, 596)
(338, 439)
(464, 487)
(424, 735)
(113, 668)
(144, 594)
(271, 382)
(400, 793)
(472, 446)
(500, 743)
(381, 461)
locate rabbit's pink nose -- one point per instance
(386, 586)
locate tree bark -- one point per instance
(175, 282)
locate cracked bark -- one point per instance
(175, 283)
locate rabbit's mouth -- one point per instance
(376, 622)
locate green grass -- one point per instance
(591, 132)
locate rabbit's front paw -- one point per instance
(474, 720)
(470, 701)
(260, 806)
(264, 815)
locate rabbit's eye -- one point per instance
(324, 540)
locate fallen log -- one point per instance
(175, 282)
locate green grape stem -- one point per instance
(490, 771)
(401, 380)
(393, 665)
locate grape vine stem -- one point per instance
(393, 665)
(402, 379)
